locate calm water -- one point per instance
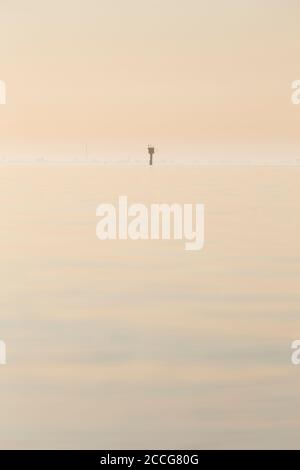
(142, 344)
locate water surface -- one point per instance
(125, 344)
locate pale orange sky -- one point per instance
(188, 74)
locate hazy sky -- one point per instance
(120, 74)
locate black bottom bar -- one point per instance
(144, 458)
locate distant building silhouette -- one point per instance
(151, 151)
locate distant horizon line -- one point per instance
(127, 162)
